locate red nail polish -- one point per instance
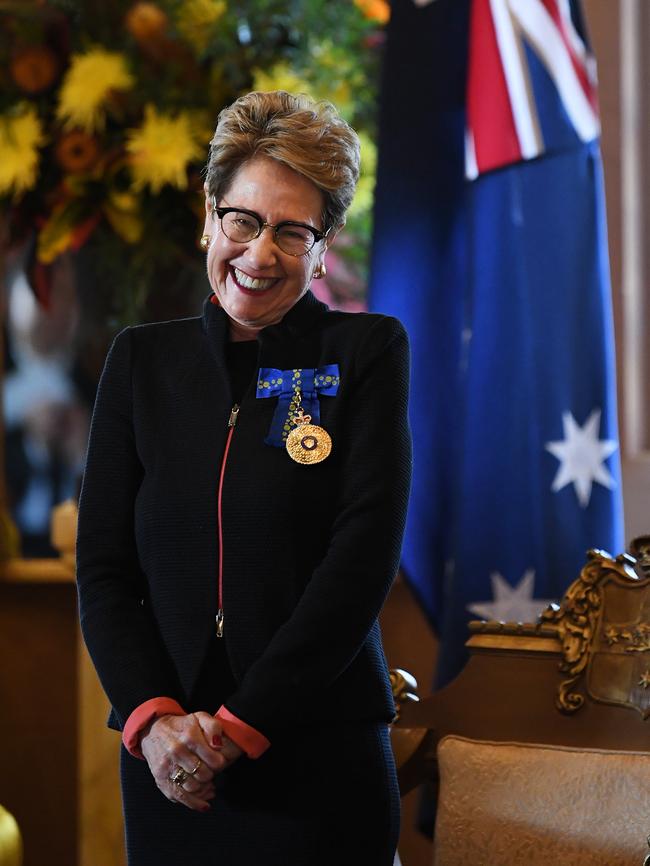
(217, 742)
(205, 808)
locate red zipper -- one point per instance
(234, 412)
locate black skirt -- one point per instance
(324, 796)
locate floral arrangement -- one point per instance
(107, 110)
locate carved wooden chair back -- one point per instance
(541, 746)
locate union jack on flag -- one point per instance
(531, 85)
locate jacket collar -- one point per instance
(287, 344)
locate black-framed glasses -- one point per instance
(293, 238)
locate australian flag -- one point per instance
(490, 245)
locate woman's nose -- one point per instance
(262, 250)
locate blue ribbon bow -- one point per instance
(283, 384)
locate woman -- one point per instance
(232, 556)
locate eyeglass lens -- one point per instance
(240, 227)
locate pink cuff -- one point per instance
(140, 718)
(243, 735)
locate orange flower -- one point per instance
(34, 69)
(146, 21)
(77, 151)
(376, 10)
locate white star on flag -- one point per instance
(511, 603)
(581, 455)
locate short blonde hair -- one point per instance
(307, 136)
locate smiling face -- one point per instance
(256, 283)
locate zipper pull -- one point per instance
(219, 619)
(234, 412)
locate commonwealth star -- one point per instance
(582, 454)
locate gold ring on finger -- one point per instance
(196, 769)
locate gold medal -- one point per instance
(308, 443)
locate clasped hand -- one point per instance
(194, 744)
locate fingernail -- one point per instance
(217, 742)
(205, 808)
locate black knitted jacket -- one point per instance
(309, 552)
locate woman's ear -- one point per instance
(329, 240)
(208, 200)
(208, 225)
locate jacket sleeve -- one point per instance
(339, 607)
(118, 629)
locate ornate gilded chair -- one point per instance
(540, 748)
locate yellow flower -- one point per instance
(88, 86)
(21, 135)
(281, 77)
(363, 197)
(161, 149)
(335, 88)
(196, 18)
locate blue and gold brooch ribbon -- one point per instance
(285, 384)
